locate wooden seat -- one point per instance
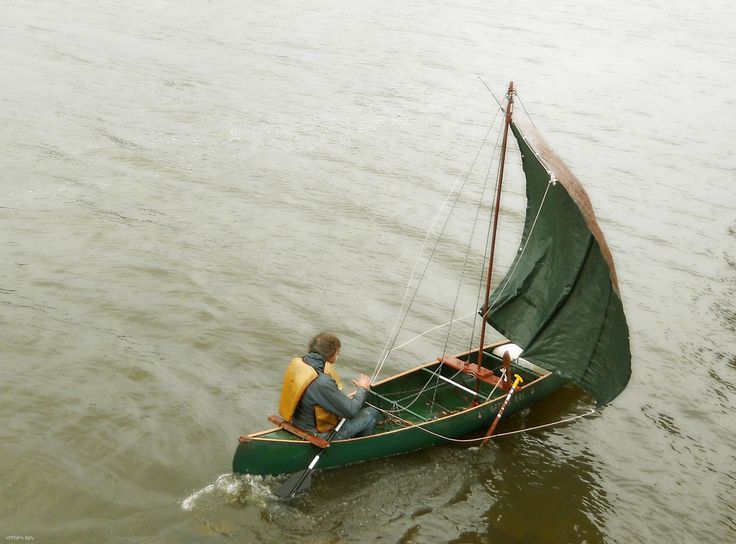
(301, 433)
(293, 429)
(483, 374)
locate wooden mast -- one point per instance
(509, 112)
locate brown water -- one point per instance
(190, 189)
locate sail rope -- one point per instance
(415, 395)
(502, 379)
(418, 336)
(467, 255)
(505, 282)
(480, 439)
(552, 181)
(486, 256)
(500, 106)
(400, 321)
(396, 405)
(435, 375)
(470, 241)
(404, 310)
(507, 279)
(523, 107)
(553, 177)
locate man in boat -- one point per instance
(312, 397)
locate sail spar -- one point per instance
(560, 300)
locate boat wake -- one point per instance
(233, 489)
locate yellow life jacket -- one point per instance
(331, 371)
(324, 420)
(298, 376)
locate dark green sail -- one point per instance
(560, 300)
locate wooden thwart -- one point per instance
(293, 429)
(301, 433)
(483, 374)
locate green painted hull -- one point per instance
(451, 415)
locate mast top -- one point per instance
(510, 104)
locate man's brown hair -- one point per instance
(325, 344)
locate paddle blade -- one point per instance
(295, 484)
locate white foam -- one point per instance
(231, 488)
(188, 503)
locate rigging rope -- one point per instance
(524, 108)
(393, 336)
(493, 95)
(486, 256)
(505, 283)
(418, 336)
(404, 310)
(470, 241)
(508, 277)
(495, 386)
(480, 439)
(465, 261)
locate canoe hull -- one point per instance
(275, 452)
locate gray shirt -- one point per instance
(324, 392)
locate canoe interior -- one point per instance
(398, 395)
(439, 397)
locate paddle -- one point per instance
(517, 380)
(302, 480)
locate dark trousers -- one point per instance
(360, 425)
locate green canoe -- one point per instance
(422, 411)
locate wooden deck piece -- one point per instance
(483, 374)
(293, 429)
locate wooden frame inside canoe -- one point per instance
(443, 411)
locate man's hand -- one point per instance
(363, 381)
